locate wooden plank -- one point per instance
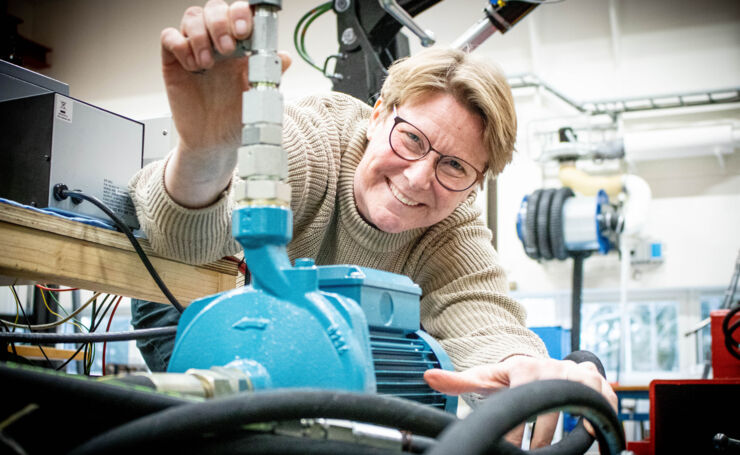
(73, 229)
(39, 247)
(34, 352)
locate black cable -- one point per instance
(12, 345)
(88, 346)
(61, 192)
(481, 432)
(66, 362)
(28, 323)
(223, 415)
(94, 325)
(88, 337)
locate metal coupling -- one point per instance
(221, 381)
(262, 192)
(262, 133)
(263, 160)
(262, 105)
(216, 382)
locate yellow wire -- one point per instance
(51, 325)
(43, 296)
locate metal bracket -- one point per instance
(394, 9)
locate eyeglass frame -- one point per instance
(398, 119)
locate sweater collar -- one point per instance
(350, 219)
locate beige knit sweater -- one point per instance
(464, 303)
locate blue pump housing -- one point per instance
(401, 352)
(332, 327)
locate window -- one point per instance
(651, 340)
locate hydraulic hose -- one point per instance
(270, 444)
(98, 406)
(482, 431)
(47, 386)
(229, 413)
(578, 440)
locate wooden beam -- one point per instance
(34, 352)
(51, 249)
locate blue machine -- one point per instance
(333, 327)
(338, 327)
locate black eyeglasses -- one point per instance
(409, 143)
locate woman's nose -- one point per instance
(420, 174)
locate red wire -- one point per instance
(107, 328)
(55, 290)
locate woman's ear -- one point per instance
(376, 118)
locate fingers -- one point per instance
(516, 435)
(449, 382)
(193, 28)
(285, 59)
(175, 48)
(483, 379)
(217, 26)
(240, 19)
(544, 429)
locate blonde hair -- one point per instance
(475, 83)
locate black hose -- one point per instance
(97, 405)
(48, 385)
(229, 413)
(61, 192)
(481, 432)
(265, 444)
(578, 440)
(37, 338)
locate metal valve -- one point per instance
(262, 162)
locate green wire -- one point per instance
(305, 29)
(301, 52)
(309, 17)
(59, 305)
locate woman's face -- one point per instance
(396, 195)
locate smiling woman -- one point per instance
(356, 197)
(396, 194)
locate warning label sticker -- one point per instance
(63, 108)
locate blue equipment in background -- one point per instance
(334, 327)
(556, 339)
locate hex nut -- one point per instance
(262, 160)
(265, 67)
(262, 190)
(262, 106)
(262, 133)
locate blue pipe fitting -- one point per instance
(255, 226)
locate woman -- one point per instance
(390, 187)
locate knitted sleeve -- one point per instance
(464, 303)
(194, 236)
(312, 136)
